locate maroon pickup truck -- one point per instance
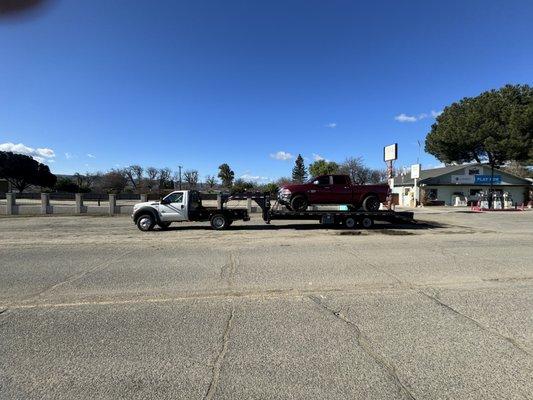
(333, 189)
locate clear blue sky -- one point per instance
(198, 83)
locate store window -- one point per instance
(432, 194)
(473, 171)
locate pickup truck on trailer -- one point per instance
(333, 189)
(186, 205)
(180, 206)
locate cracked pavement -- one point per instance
(92, 308)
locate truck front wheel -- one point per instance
(299, 203)
(145, 222)
(219, 222)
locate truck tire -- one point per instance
(371, 203)
(350, 223)
(164, 225)
(145, 222)
(367, 222)
(299, 203)
(219, 222)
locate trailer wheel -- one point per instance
(219, 222)
(145, 222)
(367, 222)
(349, 223)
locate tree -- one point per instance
(519, 169)
(65, 185)
(323, 167)
(134, 173)
(164, 180)
(494, 127)
(191, 177)
(226, 175)
(114, 181)
(356, 170)
(242, 186)
(211, 181)
(22, 171)
(299, 173)
(151, 175)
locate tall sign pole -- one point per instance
(390, 153)
(179, 168)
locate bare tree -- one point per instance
(355, 168)
(134, 174)
(191, 177)
(151, 175)
(163, 177)
(211, 181)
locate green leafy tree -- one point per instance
(242, 186)
(22, 171)
(494, 127)
(323, 167)
(226, 175)
(66, 185)
(299, 172)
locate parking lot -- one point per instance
(92, 308)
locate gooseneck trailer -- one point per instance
(186, 205)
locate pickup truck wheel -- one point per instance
(299, 203)
(164, 225)
(371, 203)
(219, 222)
(145, 222)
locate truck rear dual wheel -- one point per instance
(220, 221)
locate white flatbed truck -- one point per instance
(186, 205)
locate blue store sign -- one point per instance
(485, 180)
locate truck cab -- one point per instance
(180, 206)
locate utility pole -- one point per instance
(179, 168)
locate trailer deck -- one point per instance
(328, 217)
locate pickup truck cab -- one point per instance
(180, 206)
(333, 189)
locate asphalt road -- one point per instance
(92, 308)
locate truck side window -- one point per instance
(323, 180)
(339, 180)
(175, 197)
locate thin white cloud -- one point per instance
(281, 155)
(413, 118)
(68, 156)
(405, 118)
(317, 157)
(91, 155)
(331, 125)
(255, 178)
(41, 154)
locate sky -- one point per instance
(90, 85)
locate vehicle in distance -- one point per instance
(183, 205)
(333, 189)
